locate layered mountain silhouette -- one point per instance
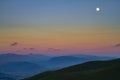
(93, 70)
(30, 64)
(12, 57)
(21, 68)
(4, 76)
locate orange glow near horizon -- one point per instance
(72, 40)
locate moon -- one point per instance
(97, 9)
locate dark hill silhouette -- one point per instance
(94, 70)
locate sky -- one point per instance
(60, 27)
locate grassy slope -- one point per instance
(95, 70)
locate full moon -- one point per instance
(97, 9)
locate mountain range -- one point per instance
(30, 64)
(4, 76)
(93, 70)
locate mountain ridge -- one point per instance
(93, 70)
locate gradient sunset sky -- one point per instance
(60, 27)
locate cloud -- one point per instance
(53, 49)
(14, 44)
(24, 48)
(117, 45)
(28, 48)
(31, 48)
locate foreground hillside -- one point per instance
(94, 70)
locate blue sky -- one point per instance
(58, 11)
(68, 25)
